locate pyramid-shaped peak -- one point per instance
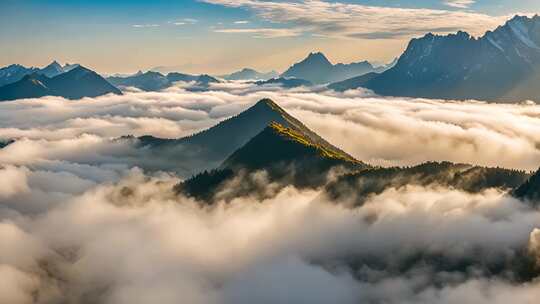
(317, 57)
(267, 105)
(267, 102)
(54, 64)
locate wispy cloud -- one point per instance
(145, 25)
(185, 21)
(459, 3)
(241, 22)
(345, 20)
(262, 32)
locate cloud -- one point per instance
(377, 130)
(345, 20)
(459, 3)
(261, 32)
(145, 25)
(185, 21)
(241, 22)
(75, 210)
(290, 247)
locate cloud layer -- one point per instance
(79, 223)
(380, 131)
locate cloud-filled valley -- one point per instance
(377, 130)
(81, 221)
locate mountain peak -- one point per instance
(278, 144)
(54, 65)
(53, 69)
(267, 102)
(317, 69)
(317, 57)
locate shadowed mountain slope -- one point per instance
(278, 155)
(250, 74)
(354, 189)
(155, 81)
(503, 65)
(75, 84)
(529, 191)
(317, 69)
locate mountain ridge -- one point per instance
(79, 82)
(501, 65)
(250, 74)
(155, 81)
(317, 69)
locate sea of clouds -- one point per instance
(81, 223)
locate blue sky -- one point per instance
(218, 36)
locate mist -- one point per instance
(80, 222)
(376, 130)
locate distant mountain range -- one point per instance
(250, 74)
(16, 72)
(155, 81)
(285, 82)
(503, 65)
(317, 69)
(77, 83)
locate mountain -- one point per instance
(355, 188)
(5, 142)
(155, 81)
(353, 83)
(14, 73)
(68, 66)
(30, 86)
(529, 191)
(317, 69)
(285, 82)
(53, 69)
(81, 82)
(149, 81)
(250, 74)
(208, 149)
(75, 84)
(284, 155)
(503, 65)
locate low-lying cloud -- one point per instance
(80, 223)
(135, 242)
(377, 130)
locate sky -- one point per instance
(220, 36)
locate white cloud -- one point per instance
(401, 131)
(261, 32)
(241, 22)
(459, 3)
(346, 20)
(73, 216)
(185, 21)
(145, 25)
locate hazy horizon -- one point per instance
(221, 36)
